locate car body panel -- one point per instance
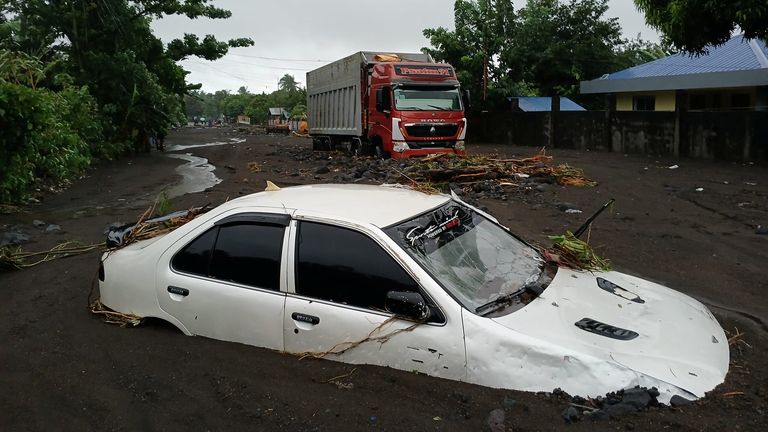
(679, 341)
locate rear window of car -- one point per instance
(244, 253)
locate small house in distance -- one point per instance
(278, 121)
(732, 76)
(541, 104)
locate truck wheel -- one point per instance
(380, 153)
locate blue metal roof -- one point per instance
(737, 63)
(536, 103)
(735, 55)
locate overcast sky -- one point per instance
(295, 36)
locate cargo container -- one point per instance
(388, 104)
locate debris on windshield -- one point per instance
(569, 251)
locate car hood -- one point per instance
(638, 324)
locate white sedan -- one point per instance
(388, 276)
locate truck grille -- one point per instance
(430, 144)
(431, 130)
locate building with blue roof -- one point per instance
(732, 76)
(542, 104)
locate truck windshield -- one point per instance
(427, 98)
(475, 259)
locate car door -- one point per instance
(335, 306)
(224, 281)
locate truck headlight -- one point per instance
(400, 147)
(459, 145)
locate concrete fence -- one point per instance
(728, 135)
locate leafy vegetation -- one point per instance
(545, 48)
(289, 95)
(81, 79)
(691, 25)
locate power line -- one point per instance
(281, 59)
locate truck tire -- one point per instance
(381, 153)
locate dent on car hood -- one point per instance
(640, 325)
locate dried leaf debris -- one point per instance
(434, 171)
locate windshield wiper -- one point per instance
(499, 303)
(439, 108)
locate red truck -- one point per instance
(398, 105)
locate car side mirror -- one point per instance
(407, 304)
(466, 100)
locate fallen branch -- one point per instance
(113, 317)
(16, 259)
(348, 345)
(342, 376)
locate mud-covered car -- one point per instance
(393, 277)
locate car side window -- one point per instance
(249, 254)
(345, 266)
(245, 253)
(195, 257)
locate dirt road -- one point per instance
(62, 368)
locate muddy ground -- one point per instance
(62, 368)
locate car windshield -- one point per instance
(472, 257)
(427, 98)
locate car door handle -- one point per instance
(311, 319)
(176, 290)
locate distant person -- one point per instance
(160, 141)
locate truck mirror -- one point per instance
(466, 100)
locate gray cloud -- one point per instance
(294, 36)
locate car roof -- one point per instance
(378, 205)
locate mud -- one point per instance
(63, 369)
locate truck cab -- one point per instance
(415, 109)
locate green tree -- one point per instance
(110, 48)
(691, 25)
(558, 44)
(481, 29)
(288, 84)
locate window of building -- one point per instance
(644, 103)
(244, 253)
(344, 266)
(741, 101)
(697, 102)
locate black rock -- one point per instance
(322, 170)
(565, 206)
(678, 401)
(508, 403)
(13, 238)
(571, 415)
(495, 420)
(599, 415)
(762, 230)
(620, 409)
(637, 397)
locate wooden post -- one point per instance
(554, 109)
(681, 102)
